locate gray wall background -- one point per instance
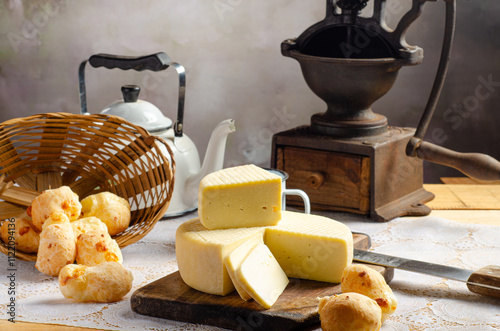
(231, 50)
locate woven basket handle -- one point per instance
(154, 62)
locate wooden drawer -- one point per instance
(370, 176)
(333, 181)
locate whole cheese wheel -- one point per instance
(305, 246)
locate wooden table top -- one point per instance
(486, 217)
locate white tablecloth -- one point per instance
(425, 302)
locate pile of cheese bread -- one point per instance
(243, 240)
(61, 230)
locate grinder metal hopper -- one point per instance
(349, 158)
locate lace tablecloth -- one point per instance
(425, 302)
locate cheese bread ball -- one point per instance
(57, 245)
(60, 200)
(349, 312)
(26, 237)
(56, 218)
(95, 247)
(113, 210)
(106, 282)
(362, 279)
(87, 224)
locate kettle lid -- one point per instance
(138, 112)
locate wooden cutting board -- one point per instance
(296, 309)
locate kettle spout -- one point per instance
(214, 156)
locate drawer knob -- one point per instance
(315, 180)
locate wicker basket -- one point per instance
(90, 154)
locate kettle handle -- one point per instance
(154, 62)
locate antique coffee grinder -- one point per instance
(349, 158)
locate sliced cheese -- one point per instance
(261, 276)
(310, 246)
(242, 196)
(233, 262)
(201, 252)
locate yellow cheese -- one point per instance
(201, 252)
(261, 276)
(242, 196)
(310, 246)
(233, 261)
(305, 246)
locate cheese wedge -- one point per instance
(310, 246)
(201, 252)
(261, 276)
(242, 196)
(233, 262)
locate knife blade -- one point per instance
(485, 281)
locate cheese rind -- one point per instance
(233, 262)
(242, 196)
(261, 276)
(310, 246)
(305, 246)
(201, 252)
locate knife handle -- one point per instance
(489, 275)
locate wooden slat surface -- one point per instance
(26, 326)
(467, 180)
(464, 197)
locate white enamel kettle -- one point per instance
(189, 172)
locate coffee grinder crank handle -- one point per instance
(474, 165)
